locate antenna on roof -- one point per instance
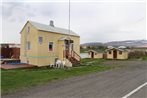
(68, 39)
(69, 19)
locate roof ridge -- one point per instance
(46, 27)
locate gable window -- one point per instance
(50, 46)
(120, 52)
(109, 52)
(40, 40)
(28, 45)
(28, 30)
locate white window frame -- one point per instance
(52, 47)
(28, 46)
(28, 29)
(39, 40)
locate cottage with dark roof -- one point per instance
(117, 53)
(42, 44)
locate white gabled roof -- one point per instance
(54, 29)
(117, 49)
(122, 47)
(95, 51)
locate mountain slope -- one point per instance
(131, 43)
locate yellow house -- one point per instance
(42, 44)
(116, 53)
(94, 54)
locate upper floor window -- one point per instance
(28, 45)
(40, 40)
(28, 29)
(50, 46)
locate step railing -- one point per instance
(73, 54)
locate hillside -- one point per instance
(128, 43)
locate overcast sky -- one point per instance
(94, 21)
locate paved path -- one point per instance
(110, 84)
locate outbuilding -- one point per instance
(117, 53)
(95, 54)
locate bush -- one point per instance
(137, 54)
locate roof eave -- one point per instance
(58, 33)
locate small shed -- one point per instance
(10, 50)
(95, 54)
(117, 53)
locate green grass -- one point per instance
(84, 50)
(13, 80)
(144, 58)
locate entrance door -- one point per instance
(92, 54)
(67, 48)
(115, 54)
(68, 44)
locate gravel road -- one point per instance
(114, 83)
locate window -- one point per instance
(50, 46)
(72, 46)
(40, 40)
(95, 53)
(109, 52)
(28, 46)
(120, 52)
(28, 30)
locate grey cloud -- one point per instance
(9, 7)
(93, 21)
(14, 11)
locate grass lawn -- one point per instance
(84, 50)
(144, 58)
(16, 79)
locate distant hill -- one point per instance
(92, 44)
(128, 43)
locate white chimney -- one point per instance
(52, 23)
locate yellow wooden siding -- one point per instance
(124, 55)
(58, 47)
(39, 54)
(110, 56)
(32, 37)
(97, 55)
